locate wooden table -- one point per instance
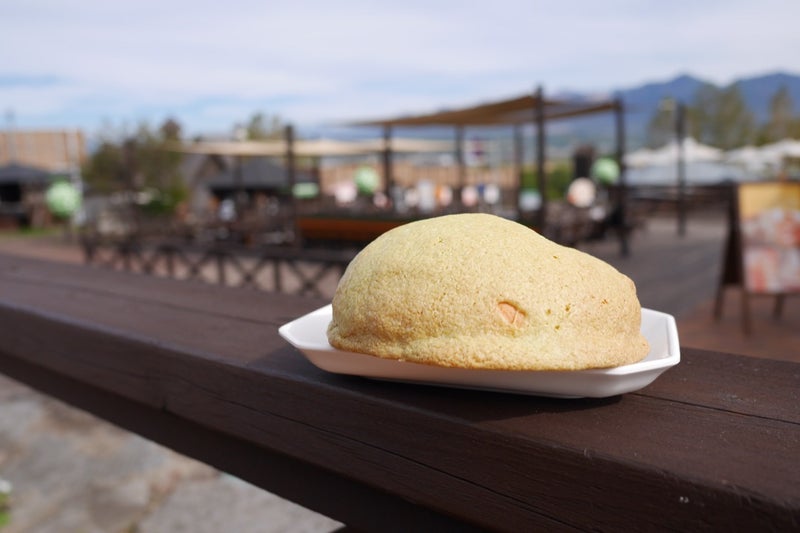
(713, 444)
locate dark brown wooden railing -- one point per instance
(711, 445)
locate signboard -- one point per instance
(769, 225)
(762, 252)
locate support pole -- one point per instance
(292, 180)
(540, 158)
(622, 192)
(388, 175)
(518, 164)
(680, 133)
(460, 163)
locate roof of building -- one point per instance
(23, 174)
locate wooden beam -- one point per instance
(511, 111)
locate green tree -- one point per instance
(155, 164)
(782, 122)
(661, 127)
(735, 123)
(261, 127)
(701, 114)
(141, 160)
(559, 176)
(104, 170)
(721, 117)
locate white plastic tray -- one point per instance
(309, 335)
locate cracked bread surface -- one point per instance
(480, 291)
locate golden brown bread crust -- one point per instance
(480, 291)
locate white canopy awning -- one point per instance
(693, 152)
(311, 148)
(781, 150)
(765, 159)
(639, 158)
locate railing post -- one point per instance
(126, 256)
(220, 259)
(170, 260)
(276, 275)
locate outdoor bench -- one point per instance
(713, 444)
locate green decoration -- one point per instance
(305, 190)
(606, 171)
(63, 199)
(367, 180)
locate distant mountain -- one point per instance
(758, 91)
(645, 99)
(642, 102)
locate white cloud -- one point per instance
(318, 60)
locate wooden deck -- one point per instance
(680, 276)
(672, 273)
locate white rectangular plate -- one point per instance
(309, 335)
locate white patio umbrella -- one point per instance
(693, 152)
(704, 165)
(749, 158)
(765, 159)
(639, 158)
(310, 147)
(776, 152)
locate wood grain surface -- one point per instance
(713, 444)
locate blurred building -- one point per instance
(29, 161)
(55, 151)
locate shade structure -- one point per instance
(517, 110)
(532, 108)
(401, 145)
(526, 109)
(309, 148)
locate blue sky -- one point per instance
(93, 64)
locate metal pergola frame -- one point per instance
(531, 108)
